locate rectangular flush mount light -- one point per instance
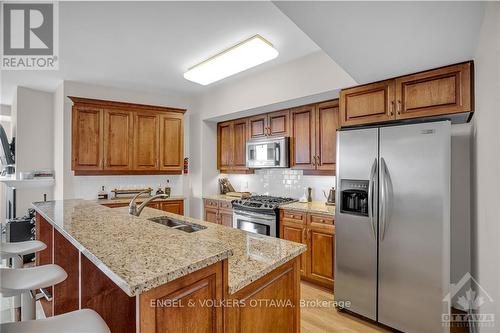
(247, 54)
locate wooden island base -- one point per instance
(198, 302)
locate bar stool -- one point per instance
(79, 321)
(15, 281)
(16, 251)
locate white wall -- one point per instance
(33, 128)
(304, 80)
(486, 163)
(87, 186)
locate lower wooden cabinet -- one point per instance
(317, 231)
(218, 211)
(171, 206)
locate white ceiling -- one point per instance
(378, 40)
(148, 46)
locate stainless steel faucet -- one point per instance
(134, 210)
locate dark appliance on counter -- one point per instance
(6, 153)
(21, 229)
(258, 214)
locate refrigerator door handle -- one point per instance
(371, 186)
(384, 197)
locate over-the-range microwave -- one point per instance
(267, 153)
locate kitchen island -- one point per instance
(142, 276)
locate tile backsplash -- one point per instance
(282, 182)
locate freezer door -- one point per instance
(356, 243)
(414, 226)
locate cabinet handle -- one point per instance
(304, 234)
(393, 106)
(399, 107)
(319, 160)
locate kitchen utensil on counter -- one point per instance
(102, 194)
(168, 189)
(309, 194)
(225, 186)
(130, 193)
(330, 198)
(239, 194)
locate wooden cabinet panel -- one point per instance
(146, 141)
(279, 123)
(296, 233)
(65, 294)
(225, 146)
(102, 295)
(171, 142)
(371, 103)
(118, 140)
(87, 144)
(176, 207)
(193, 294)
(436, 92)
(44, 232)
(258, 126)
(211, 215)
(327, 122)
(321, 242)
(302, 150)
(226, 217)
(225, 204)
(240, 136)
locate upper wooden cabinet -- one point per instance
(270, 124)
(372, 103)
(443, 91)
(231, 146)
(87, 148)
(313, 137)
(118, 144)
(436, 92)
(112, 138)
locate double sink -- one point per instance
(177, 224)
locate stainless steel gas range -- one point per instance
(258, 214)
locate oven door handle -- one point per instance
(254, 215)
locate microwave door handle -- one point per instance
(277, 154)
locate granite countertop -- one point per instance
(311, 207)
(220, 197)
(139, 255)
(139, 200)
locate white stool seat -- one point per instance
(9, 250)
(79, 321)
(19, 280)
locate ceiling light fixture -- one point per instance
(247, 54)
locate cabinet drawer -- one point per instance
(294, 215)
(211, 203)
(223, 204)
(323, 219)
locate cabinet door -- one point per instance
(371, 103)
(279, 123)
(171, 142)
(225, 145)
(146, 141)
(302, 150)
(327, 122)
(212, 215)
(295, 232)
(240, 136)
(87, 140)
(436, 92)
(118, 140)
(321, 242)
(258, 126)
(226, 217)
(176, 207)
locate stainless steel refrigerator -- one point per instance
(392, 248)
